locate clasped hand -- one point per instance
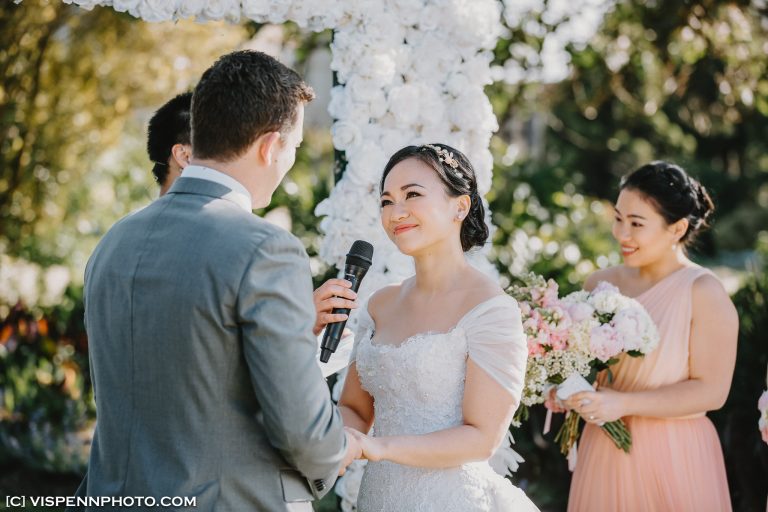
(362, 447)
(597, 407)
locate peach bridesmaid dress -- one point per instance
(675, 464)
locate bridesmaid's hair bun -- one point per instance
(457, 174)
(674, 194)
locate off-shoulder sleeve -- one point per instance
(365, 327)
(496, 342)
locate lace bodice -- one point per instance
(418, 387)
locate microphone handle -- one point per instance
(333, 331)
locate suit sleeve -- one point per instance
(276, 314)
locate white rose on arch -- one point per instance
(345, 135)
(157, 10)
(222, 9)
(126, 6)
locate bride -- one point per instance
(440, 359)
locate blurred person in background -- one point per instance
(168, 140)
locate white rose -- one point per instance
(605, 302)
(472, 110)
(383, 66)
(457, 84)
(393, 140)
(255, 9)
(431, 17)
(191, 8)
(340, 105)
(157, 10)
(486, 26)
(278, 11)
(362, 90)
(373, 158)
(345, 134)
(378, 106)
(84, 4)
(220, 9)
(404, 103)
(407, 11)
(479, 68)
(432, 107)
(381, 29)
(125, 5)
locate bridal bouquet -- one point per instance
(571, 339)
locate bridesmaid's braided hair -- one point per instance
(458, 176)
(674, 194)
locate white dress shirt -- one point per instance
(239, 194)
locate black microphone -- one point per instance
(359, 259)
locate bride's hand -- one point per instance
(373, 447)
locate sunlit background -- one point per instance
(585, 92)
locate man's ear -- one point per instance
(181, 153)
(266, 147)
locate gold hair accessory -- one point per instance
(446, 157)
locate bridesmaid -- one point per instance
(676, 462)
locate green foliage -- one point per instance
(45, 392)
(746, 455)
(548, 230)
(686, 82)
(72, 84)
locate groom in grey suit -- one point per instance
(200, 315)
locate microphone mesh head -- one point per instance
(361, 253)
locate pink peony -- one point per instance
(535, 349)
(629, 328)
(530, 324)
(604, 343)
(580, 311)
(558, 340)
(550, 295)
(764, 432)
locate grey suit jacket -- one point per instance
(199, 318)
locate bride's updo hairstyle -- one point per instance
(674, 194)
(458, 176)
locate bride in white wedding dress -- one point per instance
(440, 359)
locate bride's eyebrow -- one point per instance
(631, 215)
(385, 193)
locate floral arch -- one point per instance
(410, 72)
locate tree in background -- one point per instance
(74, 84)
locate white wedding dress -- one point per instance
(418, 387)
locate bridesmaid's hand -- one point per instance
(373, 447)
(598, 407)
(553, 403)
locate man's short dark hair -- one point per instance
(168, 127)
(244, 95)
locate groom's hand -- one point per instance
(334, 293)
(354, 451)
